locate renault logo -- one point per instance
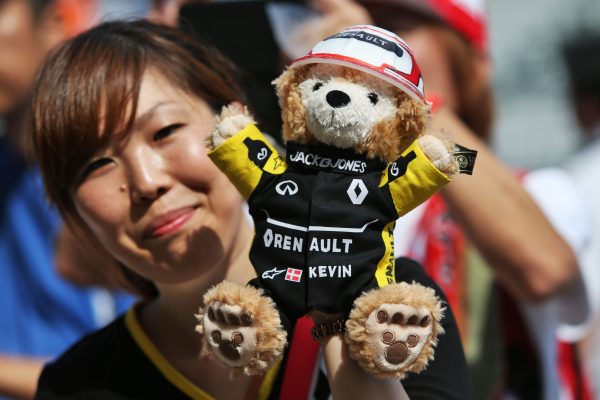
(357, 191)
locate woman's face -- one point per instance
(153, 198)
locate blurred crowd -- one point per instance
(516, 251)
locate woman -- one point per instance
(120, 116)
(135, 177)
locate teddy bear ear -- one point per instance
(290, 101)
(389, 138)
(287, 81)
(283, 82)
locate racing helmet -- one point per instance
(372, 50)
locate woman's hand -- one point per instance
(347, 380)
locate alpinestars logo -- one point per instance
(272, 273)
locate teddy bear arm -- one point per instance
(245, 158)
(411, 180)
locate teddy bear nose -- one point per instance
(337, 98)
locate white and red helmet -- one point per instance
(373, 50)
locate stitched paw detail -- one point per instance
(231, 333)
(398, 334)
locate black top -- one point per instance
(120, 362)
(117, 362)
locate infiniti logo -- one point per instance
(287, 188)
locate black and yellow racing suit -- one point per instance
(323, 217)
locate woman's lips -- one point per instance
(168, 223)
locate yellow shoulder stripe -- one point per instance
(385, 272)
(169, 372)
(174, 376)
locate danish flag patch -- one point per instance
(293, 275)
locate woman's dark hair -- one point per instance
(88, 89)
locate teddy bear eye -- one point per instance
(317, 86)
(373, 97)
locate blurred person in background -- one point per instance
(530, 228)
(42, 312)
(582, 59)
(165, 12)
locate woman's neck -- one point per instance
(170, 317)
(169, 320)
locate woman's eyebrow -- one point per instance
(143, 119)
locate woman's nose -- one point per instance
(148, 179)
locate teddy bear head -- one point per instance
(351, 92)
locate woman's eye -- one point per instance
(94, 166)
(317, 86)
(166, 131)
(373, 98)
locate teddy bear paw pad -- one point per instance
(399, 333)
(230, 332)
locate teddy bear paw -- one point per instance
(401, 332)
(439, 155)
(230, 332)
(241, 328)
(233, 118)
(393, 330)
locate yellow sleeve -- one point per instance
(244, 157)
(412, 179)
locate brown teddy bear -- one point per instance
(358, 157)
